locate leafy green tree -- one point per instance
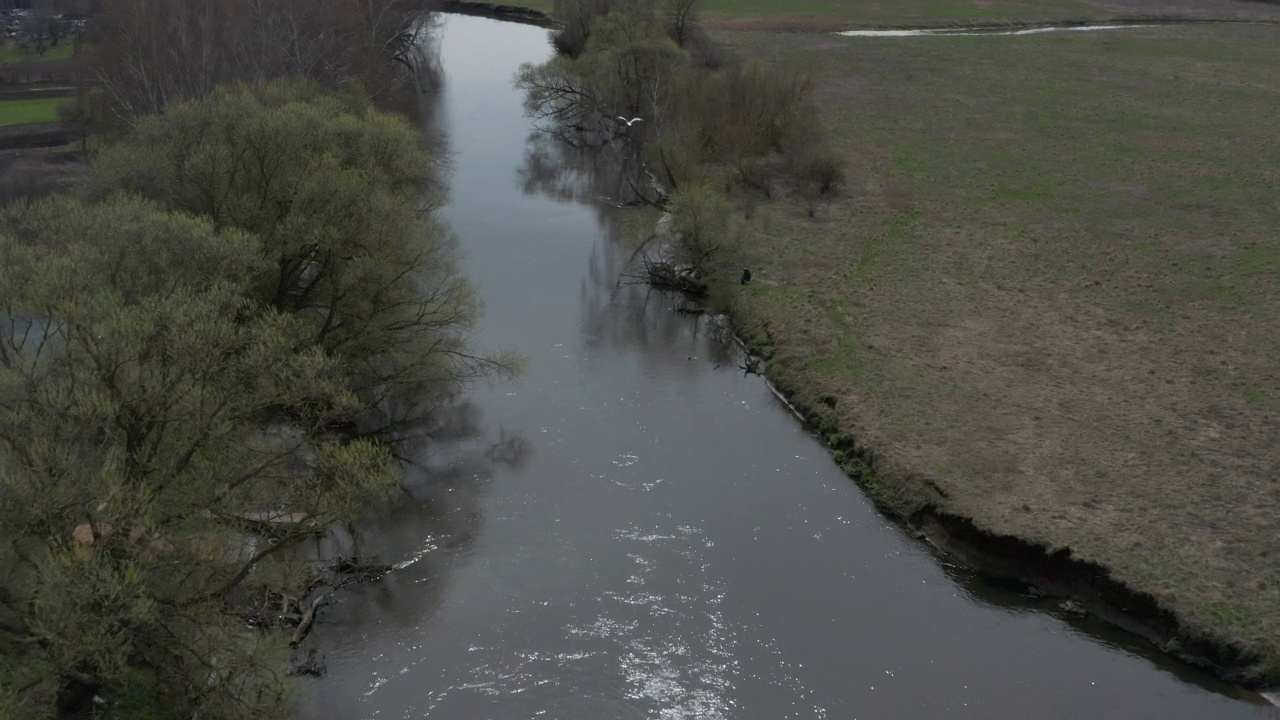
(576, 17)
(621, 70)
(704, 229)
(627, 60)
(147, 480)
(338, 197)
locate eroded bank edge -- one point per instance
(1009, 557)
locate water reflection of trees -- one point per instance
(617, 314)
(606, 174)
(422, 53)
(430, 526)
(449, 457)
(621, 315)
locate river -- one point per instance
(637, 529)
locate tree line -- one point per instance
(155, 52)
(206, 348)
(139, 56)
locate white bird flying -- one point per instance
(631, 121)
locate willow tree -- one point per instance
(146, 477)
(339, 198)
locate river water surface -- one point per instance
(636, 529)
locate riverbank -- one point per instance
(1082, 586)
(1036, 325)
(525, 14)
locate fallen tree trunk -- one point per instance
(308, 618)
(345, 571)
(667, 275)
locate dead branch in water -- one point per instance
(308, 617)
(667, 275)
(347, 571)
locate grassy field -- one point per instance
(11, 53)
(30, 112)
(831, 14)
(1049, 297)
(891, 10)
(876, 9)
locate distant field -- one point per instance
(888, 10)
(871, 9)
(11, 53)
(1050, 297)
(29, 112)
(819, 14)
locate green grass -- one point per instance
(11, 53)
(30, 112)
(1051, 287)
(888, 10)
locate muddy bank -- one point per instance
(497, 11)
(1090, 587)
(1085, 587)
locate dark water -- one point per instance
(631, 531)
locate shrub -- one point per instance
(818, 171)
(751, 174)
(756, 108)
(704, 227)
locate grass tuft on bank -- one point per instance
(1048, 295)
